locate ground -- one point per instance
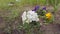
(53, 28)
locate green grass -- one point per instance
(4, 3)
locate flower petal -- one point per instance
(36, 8)
(44, 8)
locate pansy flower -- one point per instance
(44, 8)
(36, 8)
(48, 15)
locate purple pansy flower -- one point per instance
(36, 8)
(44, 8)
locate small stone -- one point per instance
(41, 23)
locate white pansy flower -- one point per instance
(30, 16)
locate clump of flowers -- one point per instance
(35, 14)
(29, 16)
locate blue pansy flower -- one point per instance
(44, 8)
(36, 8)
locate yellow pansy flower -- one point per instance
(48, 15)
